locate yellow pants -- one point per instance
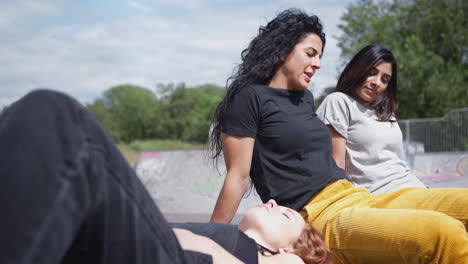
(413, 225)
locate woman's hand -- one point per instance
(238, 158)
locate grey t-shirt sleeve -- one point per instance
(334, 111)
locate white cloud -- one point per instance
(140, 6)
(18, 11)
(188, 4)
(84, 59)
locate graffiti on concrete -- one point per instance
(150, 155)
(184, 181)
(150, 171)
(210, 187)
(441, 166)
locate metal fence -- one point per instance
(446, 134)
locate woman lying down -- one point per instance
(69, 196)
(267, 233)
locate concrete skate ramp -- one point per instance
(185, 184)
(442, 169)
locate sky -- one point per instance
(84, 47)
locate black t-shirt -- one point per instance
(227, 236)
(292, 158)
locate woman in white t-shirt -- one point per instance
(367, 141)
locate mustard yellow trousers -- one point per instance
(412, 225)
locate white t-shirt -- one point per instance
(373, 149)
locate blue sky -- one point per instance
(84, 47)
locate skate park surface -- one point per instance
(185, 183)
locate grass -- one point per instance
(132, 157)
(132, 150)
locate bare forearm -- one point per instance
(238, 158)
(229, 199)
(338, 148)
(340, 161)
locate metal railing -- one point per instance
(446, 134)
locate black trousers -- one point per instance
(67, 194)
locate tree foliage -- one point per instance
(175, 112)
(131, 110)
(328, 90)
(429, 38)
(190, 111)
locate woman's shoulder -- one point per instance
(265, 90)
(254, 92)
(335, 101)
(339, 97)
(247, 90)
(248, 94)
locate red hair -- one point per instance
(311, 247)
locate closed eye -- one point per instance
(287, 216)
(311, 52)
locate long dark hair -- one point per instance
(262, 58)
(359, 68)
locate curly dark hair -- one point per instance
(262, 58)
(359, 68)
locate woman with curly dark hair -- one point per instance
(275, 71)
(269, 134)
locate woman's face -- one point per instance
(275, 226)
(300, 65)
(375, 83)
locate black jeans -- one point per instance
(67, 194)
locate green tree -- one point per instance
(102, 113)
(429, 38)
(207, 97)
(134, 110)
(328, 90)
(188, 111)
(177, 112)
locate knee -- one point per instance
(448, 228)
(47, 104)
(445, 235)
(41, 112)
(46, 98)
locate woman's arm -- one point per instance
(238, 158)
(338, 147)
(191, 241)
